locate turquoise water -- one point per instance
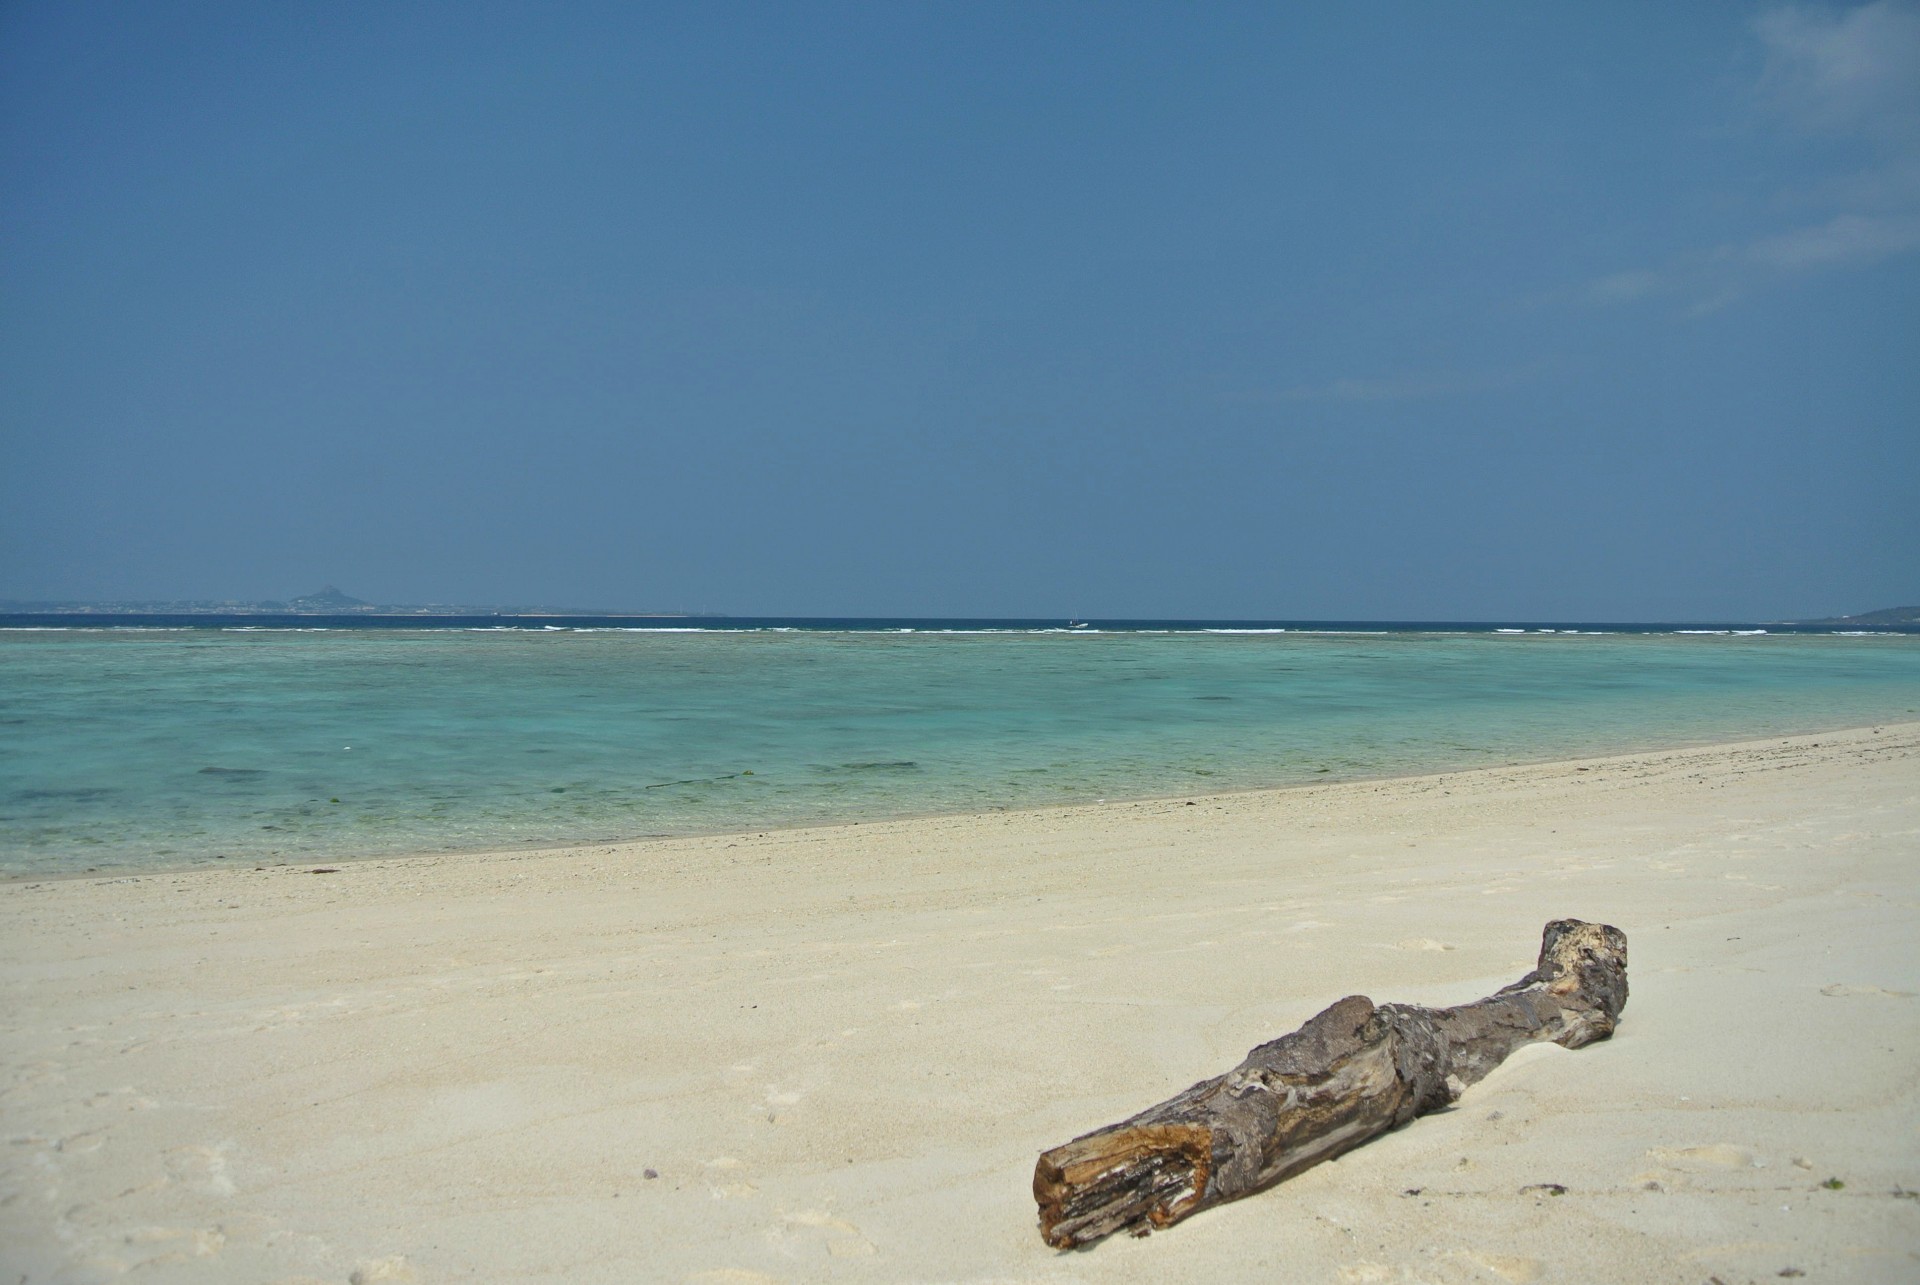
(170, 747)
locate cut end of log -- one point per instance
(1117, 1177)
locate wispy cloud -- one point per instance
(1624, 287)
(1843, 239)
(1856, 70)
(1425, 386)
(1850, 75)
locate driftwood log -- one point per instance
(1351, 1073)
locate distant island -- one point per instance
(326, 601)
(1873, 619)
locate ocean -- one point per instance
(154, 747)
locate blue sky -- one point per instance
(1387, 311)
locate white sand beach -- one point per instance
(834, 1053)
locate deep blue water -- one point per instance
(145, 747)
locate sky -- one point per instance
(1377, 311)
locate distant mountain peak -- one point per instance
(327, 598)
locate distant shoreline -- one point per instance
(537, 620)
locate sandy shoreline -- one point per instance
(841, 1048)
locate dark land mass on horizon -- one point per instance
(1896, 616)
(330, 607)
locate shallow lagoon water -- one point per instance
(148, 748)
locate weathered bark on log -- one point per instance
(1352, 1072)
